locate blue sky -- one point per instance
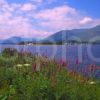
(41, 18)
(92, 7)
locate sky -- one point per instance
(42, 18)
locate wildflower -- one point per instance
(63, 63)
(34, 67)
(26, 65)
(92, 68)
(92, 82)
(19, 65)
(76, 62)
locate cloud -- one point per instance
(18, 26)
(43, 1)
(89, 22)
(57, 18)
(28, 7)
(12, 24)
(29, 20)
(86, 20)
(56, 13)
(64, 17)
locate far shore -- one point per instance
(38, 44)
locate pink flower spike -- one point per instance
(34, 67)
(77, 62)
(63, 63)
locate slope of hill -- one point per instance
(75, 35)
(17, 40)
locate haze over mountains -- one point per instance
(76, 35)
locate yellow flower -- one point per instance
(19, 65)
(92, 82)
(26, 64)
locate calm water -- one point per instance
(85, 54)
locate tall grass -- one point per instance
(24, 76)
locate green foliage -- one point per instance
(9, 52)
(18, 81)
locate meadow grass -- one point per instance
(24, 76)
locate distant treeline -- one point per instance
(59, 43)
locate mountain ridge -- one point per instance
(75, 35)
(82, 35)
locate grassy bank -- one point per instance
(24, 76)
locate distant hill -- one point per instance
(74, 36)
(17, 40)
(84, 35)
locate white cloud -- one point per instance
(86, 20)
(58, 18)
(64, 17)
(28, 7)
(18, 26)
(12, 24)
(56, 13)
(26, 20)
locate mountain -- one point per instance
(17, 40)
(75, 35)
